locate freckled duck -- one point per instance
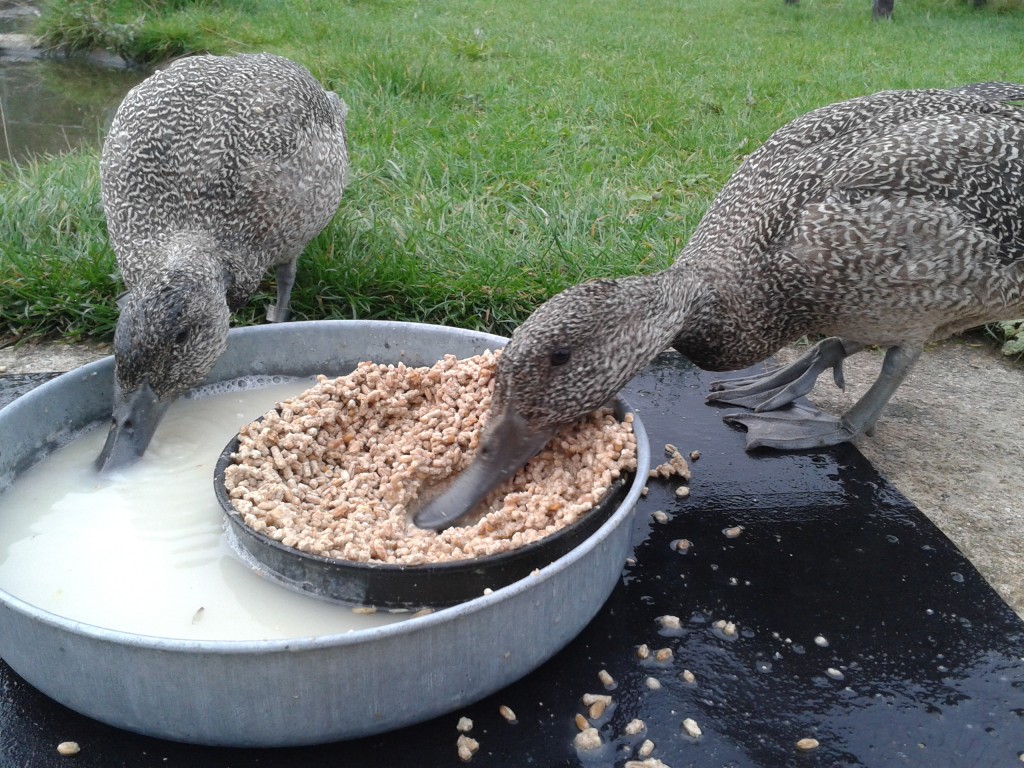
(215, 169)
(891, 220)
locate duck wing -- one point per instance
(762, 201)
(249, 149)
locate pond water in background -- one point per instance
(52, 105)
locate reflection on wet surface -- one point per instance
(858, 623)
(49, 106)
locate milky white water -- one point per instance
(143, 550)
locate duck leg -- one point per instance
(766, 392)
(285, 279)
(800, 426)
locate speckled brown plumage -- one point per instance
(214, 170)
(890, 217)
(890, 220)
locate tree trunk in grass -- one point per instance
(881, 9)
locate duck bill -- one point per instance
(505, 447)
(135, 418)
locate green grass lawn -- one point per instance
(501, 150)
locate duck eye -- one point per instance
(560, 356)
(182, 336)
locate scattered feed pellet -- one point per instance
(682, 546)
(659, 516)
(588, 739)
(643, 651)
(652, 683)
(635, 727)
(68, 748)
(507, 713)
(465, 725)
(596, 704)
(682, 492)
(646, 749)
(581, 722)
(676, 465)
(691, 728)
(688, 677)
(650, 762)
(669, 622)
(727, 628)
(606, 679)
(466, 747)
(663, 654)
(336, 470)
(694, 455)
(820, 641)
(733, 532)
(807, 745)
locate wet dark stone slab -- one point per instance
(858, 623)
(12, 387)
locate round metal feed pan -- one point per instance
(394, 586)
(314, 689)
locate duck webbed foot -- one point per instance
(772, 390)
(796, 426)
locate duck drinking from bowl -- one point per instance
(215, 169)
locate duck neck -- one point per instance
(201, 258)
(730, 320)
(667, 302)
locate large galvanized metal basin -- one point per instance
(314, 689)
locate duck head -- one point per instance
(169, 334)
(571, 356)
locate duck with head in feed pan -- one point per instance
(889, 220)
(316, 491)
